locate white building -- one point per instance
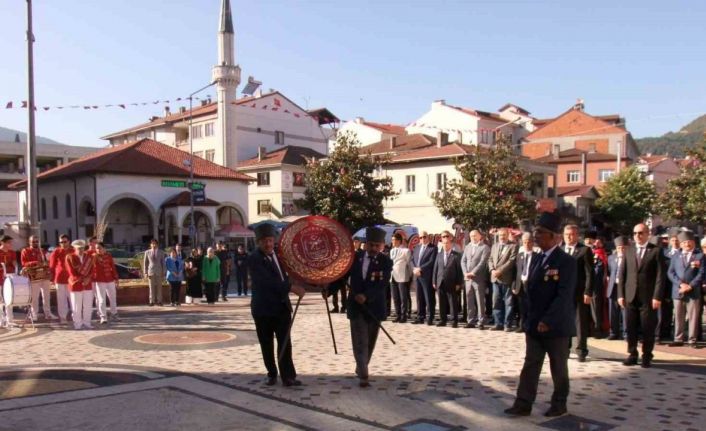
(131, 193)
(231, 130)
(420, 166)
(281, 176)
(368, 132)
(13, 151)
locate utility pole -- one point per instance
(192, 224)
(31, 163)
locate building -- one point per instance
(232, 129)
(13, 151)
(133, 192)
(659, 169)
(368, 132)
(281, 180)
(421, 165)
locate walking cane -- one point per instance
(289, 331)
(370, 314)
(330, 322)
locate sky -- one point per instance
(382, 60)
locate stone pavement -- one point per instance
(199, 367)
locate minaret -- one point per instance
(226, 75)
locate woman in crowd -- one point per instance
(211, 274)
(175, 275)
(193, 276)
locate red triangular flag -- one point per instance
(278, 102)
(264, 107)
(46, 108)
(297, 115)
(122, 106)
(9, 105)
(24, 103)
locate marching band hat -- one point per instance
(620, 241)
(265, 230)
(550, 221)
(686, 236)
(374, 234)
(79, 243)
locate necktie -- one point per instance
(569, 250)
(525, 270)
(640, 250)
(686, 259)
(536, 263)
(421, 253)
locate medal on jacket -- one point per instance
(553, 273)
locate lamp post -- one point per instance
(192, 222)
(31, 216)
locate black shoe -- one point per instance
(404, 320)
(496, 328)
(151, 304)
(441, 324)
(470, 325)
(676, 344)
(291, 382)
(225, 299)
(430, 323)
(481, 327)
(614, 337)
(335, 310)
(417, 322)
(555, 411)
(343, 311)
(646, 362)
(630, 361)
(364, 383)
(509, 329)
(271, 381)
(160, 304)
(518, 411)
(519, 329)
(581, 358)
(454, 325)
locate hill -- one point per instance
(9, 135)
(675, 143)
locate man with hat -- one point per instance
(270, 306)
(640, 292)
(686, 272)
(666, 309)
(548, 319)
(80, 266)
(35, 262)
(8, 263)
(370, 273)
(616, 315)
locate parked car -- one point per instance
(127, 273)
(408, 232)
(121, 256)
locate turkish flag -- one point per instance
(278, 102)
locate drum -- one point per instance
(16, 290)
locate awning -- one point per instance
(235, 231)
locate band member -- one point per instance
(370, 273)
(270, 306)
(92, 246)
(548, 320)
(640, 292)
(35, 265)
(8, 262)
(80, 266)
(60, 276)
(106, 279)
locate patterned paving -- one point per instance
(433, 379)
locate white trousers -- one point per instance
(43, 287)
(63, 303)
(6, 316)
(103, 289)
(82, 307)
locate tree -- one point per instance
(685, 196)
(344, 188)
(626, 199)
(490, 192)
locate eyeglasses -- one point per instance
(35, 242)
(642, 232)
(63, 242)
(446, 236)
(422, 236)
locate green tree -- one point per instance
(344, 187)
(490, 192)
(685, 196)
(626, 199)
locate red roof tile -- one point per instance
(434, 152)
(394, 129)
(403, 143)
(143, 157)
(573, 155)
(582, 191)
(288, 155)
(574, 122)
(481, 114)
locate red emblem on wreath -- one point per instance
(316, 250)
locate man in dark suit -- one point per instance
(583, 290)
(448, 279)
(501, 265)
(270, 306)
(523, 264)
(548, 321)
(370, 273)
(616, 315)
(423, 259)
(640, 293)
(686, 272)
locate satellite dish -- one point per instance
(252, 86)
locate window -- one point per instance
(197, 131)
(210, 155)
(263, 206)
(410, 183)
(279, 138)
(54, 208)
(263, 178)
(573, 176)
(68, 205)
(441, 181)
(208, 129)
(604, 174)
(43, 213)
(487, 137)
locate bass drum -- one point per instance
(16, 290)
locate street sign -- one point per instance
(199, 196)
(197, 186)
(173, 183)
